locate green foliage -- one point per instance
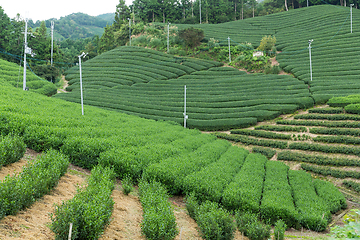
(172, 171)
(191, 36)
(327, 171)
(317, 159)
(267, 45)
(280, 128)
(268, 152)
(327, 110)
(314, 212)
(336, 131)
(42, 138)
(127, 185)
(245, 191)
(158, 218)
(353, 185)
(191, 204)
(36, 179)
(330, 194)
(244, 219)
(279, 230)
(258, 231)
(252, 141)
(330, 117)
(320, 123)
(89, 210)
(210, 181)
(277, 201)
(47, 72)
(353, 108)
(261, 134)
(325, 148)
(351, 228)
(343, 101)
(214, 222)
(12, 149)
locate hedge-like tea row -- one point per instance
(336, 131)
(317, 159)
(327, 171)
(325, 148)
(245, 191)
(263, 134)
(328, 110)
(172, 171)
(268, 152)
(330, 194)
(320, 123)
(253, 141)
(133, 160)
(351, 184)
(35, 180)
(352, 108)
(159, 221)
(337, 139)
(12, 149)
(89, 211)
(329, 117)
(280, 128)
(277, 201)
(343, 101)
(313, 211)
(209, 182)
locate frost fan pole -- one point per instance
(351, 5)
(81, 88)
(185, 116)
(129, 31)
(25, 49)
(52, 41)
(168, 37)
(310, 41)
(229, 50)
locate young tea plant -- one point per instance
(127, 185)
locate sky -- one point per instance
(46, 9)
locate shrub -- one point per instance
(191, 36)
(89, 210)
(267, 45)
(268, 152)
(127, 185)
(37, 178)
(351, 184)
(158, 217)
(214, 222)
(12, 149)
(244, 219)
(258, 231)
(192, 205)
(279, 230)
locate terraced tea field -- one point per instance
(151, 84)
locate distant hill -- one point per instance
(109, 17)
(75, 26)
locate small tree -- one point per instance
(267, 45)
(191, 36)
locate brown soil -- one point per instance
(62, 89)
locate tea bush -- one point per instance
(12, 149)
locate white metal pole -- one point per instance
(52, 41)
(229, 50)
(351, 5)
(310, 41)
(168, 37)
(81, 88)
(200, 10)
(185, 116)
(25, 49)
(129, 31)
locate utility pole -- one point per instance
(129, 30)
(185, 116)
(200, 10)
(229, 50)
(25, 51)
(52, 41)
(351, 5)
(81, 88)
(310, 41)
(168, 37)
